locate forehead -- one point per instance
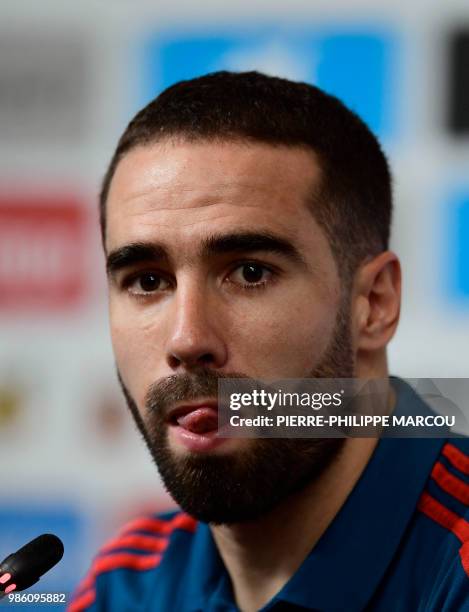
(180, 191)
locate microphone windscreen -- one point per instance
(33, 560)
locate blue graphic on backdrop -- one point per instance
(457, 214)
(358, 66)
(22, 523)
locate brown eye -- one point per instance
(147, 283)
(252, 273)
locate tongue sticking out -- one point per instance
(200, 421)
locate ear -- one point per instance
(376, 302)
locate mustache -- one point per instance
(200, 383)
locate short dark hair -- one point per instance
(352, 203)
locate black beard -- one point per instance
(243, 486)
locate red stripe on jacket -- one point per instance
(159, 526)
(451, 483)
(456, 457)
(459, 490)
(444, 517)
(86, 592)
(136, 540)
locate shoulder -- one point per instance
(445, 504)
(446, 496)
(126, 564)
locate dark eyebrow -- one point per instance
(240, 242)
(132, 254)
(237, 242)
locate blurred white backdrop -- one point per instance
(71, 77)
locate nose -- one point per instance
(195, 331)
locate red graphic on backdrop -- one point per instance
(42, 254)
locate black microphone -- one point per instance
(22, 569)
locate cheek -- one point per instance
(134, 345)
(287, 341)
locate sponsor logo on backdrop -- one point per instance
(106, 421)
(457, 264)
(359, 65)
(43, 86)
(458, 80)
(12, 400)
(43, 254)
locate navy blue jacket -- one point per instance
(400, 543)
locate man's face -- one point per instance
(236, 279)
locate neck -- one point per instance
(262, 555)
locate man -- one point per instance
(245, 221)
